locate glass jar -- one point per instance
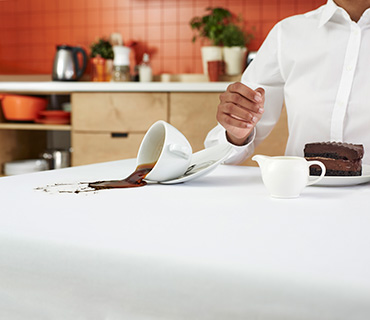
(97, 69)
(121, 73)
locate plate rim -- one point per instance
(346, 180)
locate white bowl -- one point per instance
(25, 166)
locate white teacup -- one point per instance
(168, 148)
(286, 177)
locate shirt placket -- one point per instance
(345, 85)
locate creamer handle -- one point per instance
(323, 171)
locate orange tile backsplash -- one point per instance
(30, 29)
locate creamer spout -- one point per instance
(260, 159)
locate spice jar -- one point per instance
(98, 69)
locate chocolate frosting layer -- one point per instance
(334, 150)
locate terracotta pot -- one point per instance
(210, 53)
(215, 69)
(22, 108)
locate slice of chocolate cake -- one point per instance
(340, 159)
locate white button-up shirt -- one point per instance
(319, 64)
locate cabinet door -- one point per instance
(101, 147)
(194, 114)
(118, 112)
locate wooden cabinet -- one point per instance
(104, 146)
(194, 114)
(20, 141)
(110, 126)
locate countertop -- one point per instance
(214, 248)
(43, 84)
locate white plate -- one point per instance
(203, 162)
(346, 180)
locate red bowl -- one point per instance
(55, 114)
(22, 108)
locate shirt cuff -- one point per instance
(239, 153)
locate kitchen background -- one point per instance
(30, 29)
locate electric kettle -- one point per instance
(66, 63)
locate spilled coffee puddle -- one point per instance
(78, 187)
(135, 179)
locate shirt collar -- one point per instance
(365, 19)
(331, 8)
(328, 11)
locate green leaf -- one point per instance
(103, 48)
(220, 27)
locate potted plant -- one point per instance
(223, 31)
(210, 27)
(102, 60)
(235, 41)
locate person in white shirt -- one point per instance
(317, 63)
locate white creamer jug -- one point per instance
(286, 177)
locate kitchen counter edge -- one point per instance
(35, 87)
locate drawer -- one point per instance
(118, 112)
(91, 148)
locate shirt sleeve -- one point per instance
(239, 153)
(264, 71)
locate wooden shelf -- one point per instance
(35, 126)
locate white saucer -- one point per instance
(203, 162)
(346, 180)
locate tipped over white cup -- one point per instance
(168, 148)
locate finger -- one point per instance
(236, 131)
(261, 92)
(241, 116)
(247, 112)
(243, 90)
(229, 122)
(240, 103)
(245, 100)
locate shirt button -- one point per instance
(340, 104)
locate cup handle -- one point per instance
(323, 171)
(181, 151)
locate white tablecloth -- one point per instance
(215, 248)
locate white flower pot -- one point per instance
(235, 60)
(210, 53)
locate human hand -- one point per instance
(239, 111)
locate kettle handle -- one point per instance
(79, 71)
